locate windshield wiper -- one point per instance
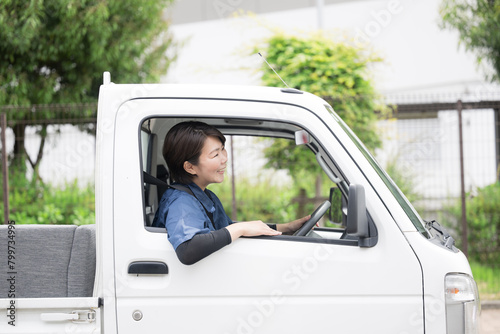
(447, 239)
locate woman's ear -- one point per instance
(189, 167)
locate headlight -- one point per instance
(462, 304)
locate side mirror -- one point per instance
(357, 219)
(351, 212)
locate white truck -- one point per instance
(382, 270)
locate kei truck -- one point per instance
(375, 267)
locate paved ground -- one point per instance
(490, 319)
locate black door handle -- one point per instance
(148, 267)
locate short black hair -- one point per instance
(184, 142)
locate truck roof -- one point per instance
(120, 93)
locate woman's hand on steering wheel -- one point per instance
(291, 227)
(315, 217)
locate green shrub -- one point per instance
(483, 221)
(34, 202)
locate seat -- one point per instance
(51, 261)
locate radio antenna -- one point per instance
(273, 70)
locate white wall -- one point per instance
(418, 55)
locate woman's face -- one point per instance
(211, 165)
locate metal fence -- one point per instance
(52, 145)
(447, 149)
(58, 140)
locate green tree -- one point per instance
(478, 23)
(336, 71)
(55, 51)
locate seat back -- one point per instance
(81, 269)
(50, 261)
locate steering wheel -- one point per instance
(315, 217)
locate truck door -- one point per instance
(317, 283)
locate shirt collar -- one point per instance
(202, 197)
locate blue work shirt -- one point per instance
(184, 216)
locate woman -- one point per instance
(194, 217)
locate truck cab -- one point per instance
(380, 269)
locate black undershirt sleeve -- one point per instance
(202, 245)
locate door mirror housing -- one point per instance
(359, 223)
(357, 219)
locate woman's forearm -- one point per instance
(202, 245)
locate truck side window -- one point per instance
(276, 172)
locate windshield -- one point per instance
(396, 192)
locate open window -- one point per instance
(277, 172)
